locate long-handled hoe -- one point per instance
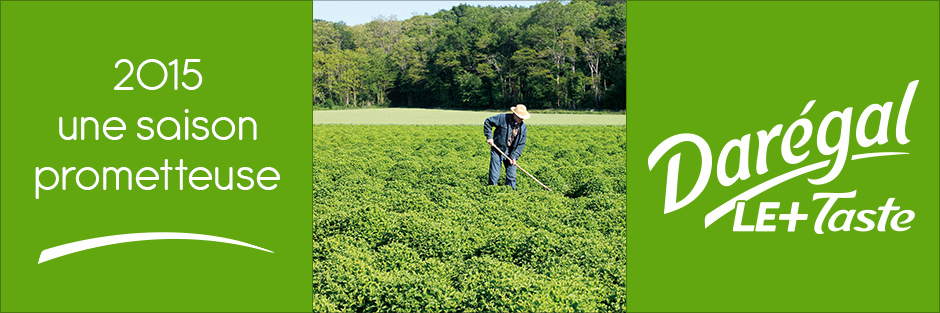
(523, 170)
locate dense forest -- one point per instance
(551, 55)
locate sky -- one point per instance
(361, 12)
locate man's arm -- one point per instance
(488, 125)
(520, 144)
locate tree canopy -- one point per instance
(551, 55)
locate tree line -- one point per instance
(552, 55)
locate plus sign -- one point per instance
(793, 217)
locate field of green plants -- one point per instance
(403, 221)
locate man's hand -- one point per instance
(512, 162)
(490, 141)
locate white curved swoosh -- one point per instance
(92, 243)
(723, 209)
(876, 154)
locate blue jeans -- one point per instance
(497, 162)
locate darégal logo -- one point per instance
(886, 217)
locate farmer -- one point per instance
(509, 137)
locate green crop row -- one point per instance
(403, 221)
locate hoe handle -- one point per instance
(523, 170)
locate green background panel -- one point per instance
(58, 61)
(722, 70)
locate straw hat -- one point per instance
(520, 111)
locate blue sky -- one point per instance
(360, 12)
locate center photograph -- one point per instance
(469, 156)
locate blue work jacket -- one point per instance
(502, 124)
